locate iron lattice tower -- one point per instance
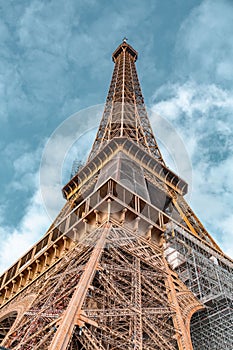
(126, 264)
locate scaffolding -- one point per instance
(209, 276)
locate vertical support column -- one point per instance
(97, 217)
(136, 224)
(69, 320)
(148, 232)
(46, 263)
(38, 267)
(13, 287)
(29, 275)
(137, 295)
(122, 216)
(123, 95)
(6, 293)
(21, 282)
(56, 252)
(197, 275)
(182, 334)
(65, 245)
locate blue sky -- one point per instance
(55, 60)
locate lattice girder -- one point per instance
(125, 113)
(120, 301)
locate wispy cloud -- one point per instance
(204, 49)
(199, 103)
(17, 241)
(202, 114)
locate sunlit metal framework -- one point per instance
(126, 264)
(125, 112)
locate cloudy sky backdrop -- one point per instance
(55, 60)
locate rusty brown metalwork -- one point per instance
(126, 264)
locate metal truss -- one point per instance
(126, 264)
(127, 301)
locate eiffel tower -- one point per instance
(126, 264)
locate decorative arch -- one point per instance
(6, 323)
(189, 306)
(11, 315)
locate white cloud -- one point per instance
(191, 97)
(227, 234)
(200, 106)
(33, 225)
(24, 166)
(202, 114)
(204, 48)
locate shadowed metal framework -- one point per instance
(127, 263)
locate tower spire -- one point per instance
(125, 113)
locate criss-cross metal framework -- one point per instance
(126, 264)
(125, 112)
